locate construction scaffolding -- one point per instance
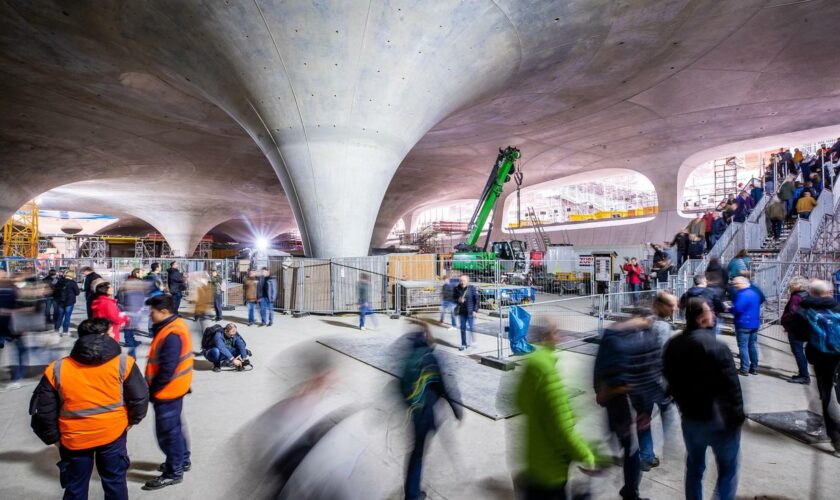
(92, 247)
(20, 233)
(204, 250)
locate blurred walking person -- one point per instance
(50, 280)
(422, 385)
(250, 292)
(267, 294)
(363, 297)
(154, 281)
(551, 441)
(64, 294)
(176, 284)
(218, 284)
(702, 379)
(84, 404)
(627, 382)
(169, 375)
(466, 302)
(92, 278)
(798, 291)
(132, 298)
(8, 336)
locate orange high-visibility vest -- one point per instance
(91, 407)
(182, 379)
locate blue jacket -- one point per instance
(267, 290)
(220, 342)
(746, 307)
(470, 304)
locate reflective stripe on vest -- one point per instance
(96, 410)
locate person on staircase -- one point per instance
(786, 192)
(776, 213)
(805, 205)
(708, 219)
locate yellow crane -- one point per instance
(20, 233)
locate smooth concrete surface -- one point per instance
(349, 115)
(472, 459)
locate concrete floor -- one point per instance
(471, 459)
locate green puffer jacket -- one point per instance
(551, 441)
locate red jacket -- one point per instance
(634, 274)
(709, 218)
(106, 307)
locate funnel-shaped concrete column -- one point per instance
(336, 95)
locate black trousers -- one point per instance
(76, 467)
(622, 415)
(825, 370)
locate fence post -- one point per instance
(601, 313)
(499, 340)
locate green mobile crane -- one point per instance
(469, 256)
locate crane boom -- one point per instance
(502, 170)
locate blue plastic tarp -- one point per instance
(519, 320)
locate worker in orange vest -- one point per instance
(85, 404)
(169, 375)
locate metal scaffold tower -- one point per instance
(93, 247)
(165, 250)
(20, 233)
(726, 178)
(204, 250)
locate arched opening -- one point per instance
(600, 197)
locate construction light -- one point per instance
(262, 243)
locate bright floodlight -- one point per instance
(262, 243)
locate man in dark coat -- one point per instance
(703, 381)
(466, 302)
(175, 282)
(92, 278)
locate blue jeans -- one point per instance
(364, 310)
(621, 419)
(266, 311)
(76, 467)
(251, 307)
(646, 451)
(214, 356)
(62, 317)
(746, 348)
(217, 305)
(466, 319)
(447, 306)
(49, 305)
(170, 436)
(17, 369)
(130, 342)
(789, 206)
(798, 350)
(725, 445)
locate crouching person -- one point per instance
(84, 404)
(225, 347)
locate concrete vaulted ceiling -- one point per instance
(347, 115)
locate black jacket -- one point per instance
(90, 278)
(65, 292)
(471, 301)
(702, 378)
(90, 350)
(175, 281)
(801, 328)
(712, 296)
(629, 356)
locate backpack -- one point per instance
(59, 291)
(208, 336)
(824, 334)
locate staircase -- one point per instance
(537, 240)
